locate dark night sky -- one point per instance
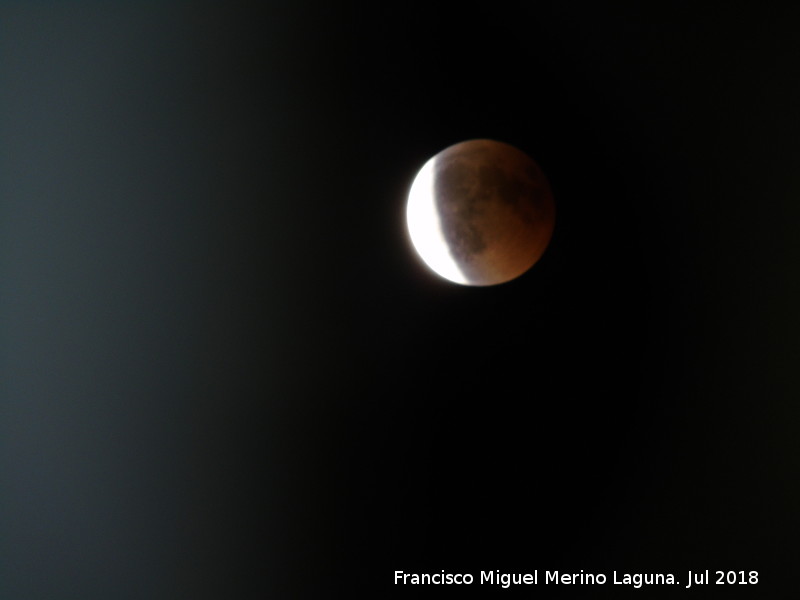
(224, 374)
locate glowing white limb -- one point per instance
(425, 227)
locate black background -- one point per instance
(226, 374)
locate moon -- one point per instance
(480, 213)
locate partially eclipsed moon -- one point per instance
(480, 213)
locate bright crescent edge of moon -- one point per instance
(425, 228)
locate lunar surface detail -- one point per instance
(480, 213)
